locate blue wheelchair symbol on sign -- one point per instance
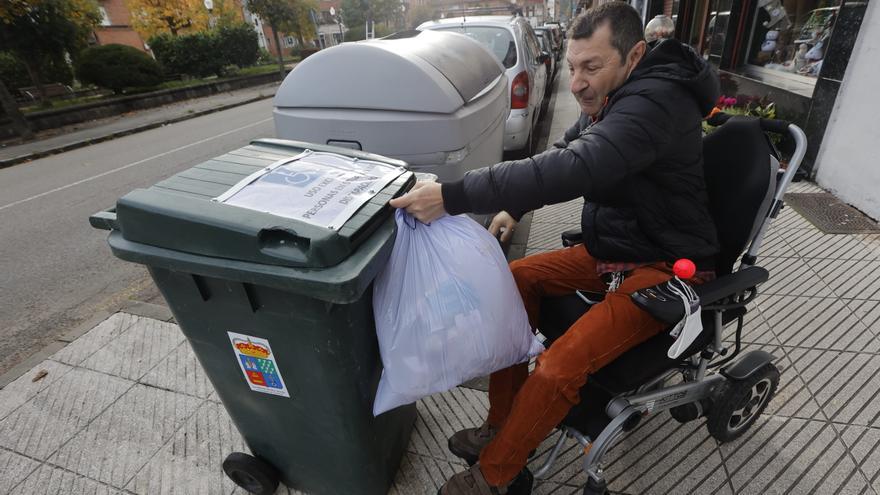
(296, 178)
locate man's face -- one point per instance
(596, 68)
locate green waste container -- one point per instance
(278, 311)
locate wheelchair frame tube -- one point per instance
(551, 459)
(675, 395)
(606, 439)
(800, 149)
(717, 318)
(652, 402)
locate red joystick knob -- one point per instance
(684, 269)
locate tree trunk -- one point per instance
(172, 25)
(19, 123)
(278, 50)
(33, 69)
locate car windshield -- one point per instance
(498, 40)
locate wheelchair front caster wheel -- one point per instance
(596, 487)
(740, 402)
(252, 474)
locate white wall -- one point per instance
(849, 159)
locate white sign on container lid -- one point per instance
(319, 188)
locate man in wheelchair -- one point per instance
(636, 157)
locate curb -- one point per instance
(33, 360)
(146, 127)
(147, 310)
(137, 308)
(56, 345)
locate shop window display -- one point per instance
(791, 36)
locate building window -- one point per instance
(105, 19)
(670, 8)
(715, 31)
(288, 41)
(337, 38)
(707, 25)
(322, 41)
(791, 36)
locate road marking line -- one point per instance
(89, 179)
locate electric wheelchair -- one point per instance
(746, 188)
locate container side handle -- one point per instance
(104, 220)
(283, 244)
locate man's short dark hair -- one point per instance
(623, 20)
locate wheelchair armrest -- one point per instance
(572, 237)
(668, 308)
(728, 285)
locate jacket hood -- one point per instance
(673, 60)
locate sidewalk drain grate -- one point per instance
(830, 215)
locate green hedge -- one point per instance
(117, 67)
(194, 54)
(207, 53)
(14, 74)
(238, 45)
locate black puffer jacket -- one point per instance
(639, 167)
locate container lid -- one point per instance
(273, 202)
(432, 71)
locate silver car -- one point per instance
(548, 44)
(512, 40)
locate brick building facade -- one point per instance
(116, 26)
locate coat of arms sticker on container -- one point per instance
(258, 364)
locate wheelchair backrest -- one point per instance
(741, 181)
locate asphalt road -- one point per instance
(55, 270)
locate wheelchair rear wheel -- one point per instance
(740, 402)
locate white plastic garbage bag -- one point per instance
(447, 310)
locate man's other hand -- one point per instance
(503, 223)
(424, 201)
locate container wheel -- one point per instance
(740, 402)
(252, 474)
